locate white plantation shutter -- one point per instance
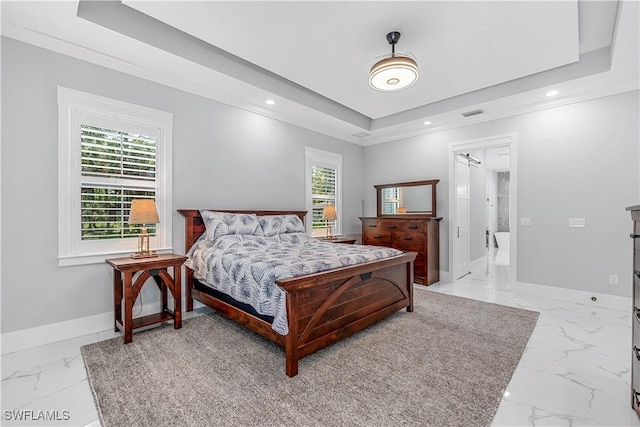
(116, 167)
(109, 153)
(390, 200)
(322, 188)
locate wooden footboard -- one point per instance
(326, 307)
(322, 308)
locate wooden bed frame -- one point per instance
(322, 308)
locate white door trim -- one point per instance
(510, 140)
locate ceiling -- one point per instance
(313, 58)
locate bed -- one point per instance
(321, 308)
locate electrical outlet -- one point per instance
(525, 222)
(577, 222)
(613, 279)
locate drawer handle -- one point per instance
(636, 350)
(634, 236)
(636, 311)
(412, 227)
(635, 397)
(392, 226)
(376, 236)
(373, 225)
(406, 238)
(637, 273)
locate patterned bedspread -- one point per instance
(246, 266)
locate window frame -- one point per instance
(76, 108)
(327, 159)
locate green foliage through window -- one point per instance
(116, 167)
(323, 183)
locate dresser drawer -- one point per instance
(636, 328)
(408, 241)
(635, 367)
(415, 226)
(636, 293)
(378, 238)
(391, 225)
(370, 225)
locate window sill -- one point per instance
(87, 259)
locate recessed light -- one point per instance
(427, 123)
(552, 93)
(270, 102)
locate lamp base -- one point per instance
(138, 255)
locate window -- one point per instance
(391, 200)
(323, 181)
(110, 152)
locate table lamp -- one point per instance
(329, 214)
(143, 212)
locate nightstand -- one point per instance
(126, 291)
(337, 240)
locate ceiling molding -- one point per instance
(197, 67)
(130, 22)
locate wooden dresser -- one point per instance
(414, 233)
(635, 349)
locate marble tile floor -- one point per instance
(575, 370)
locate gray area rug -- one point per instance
(446, 364)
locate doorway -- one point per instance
(473, 230)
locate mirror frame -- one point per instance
(431, 182)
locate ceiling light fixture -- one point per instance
(427, 123)
(552, 93)
(395, 72)
(270, 102)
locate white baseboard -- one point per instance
(445, 276)
(54, 332)
(572, 295)
(69, 329)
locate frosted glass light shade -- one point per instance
(393, 73)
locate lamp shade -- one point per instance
(329, 213)
(143, 211)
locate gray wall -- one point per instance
(223, 157)
(578, 160)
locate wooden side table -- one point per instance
(337, 240)
(126, 291)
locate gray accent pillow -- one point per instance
(225, 223)
(280, 224)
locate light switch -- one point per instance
(577, 222)
(525, 222)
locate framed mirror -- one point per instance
(407, 198)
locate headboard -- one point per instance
(194, 225)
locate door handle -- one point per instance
(458, 232)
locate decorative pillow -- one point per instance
(279, 224)
(225, 223)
